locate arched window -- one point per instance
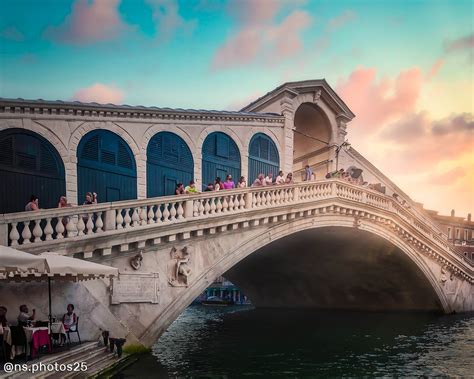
(29, 165)
(169, 161)
(106, 166)
(263, 157)
(220, 156)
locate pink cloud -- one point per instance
(287, 34)
(89, 22)
(460, 44)
(341, 20)
(416, 143)
(260, 35)
(167, 19)
(435, 69)
(378, 101)
(99, 93)
(448, 178)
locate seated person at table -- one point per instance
(23, 317)
(3, 316)
(70, 318)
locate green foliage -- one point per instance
(136, 349)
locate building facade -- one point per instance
(55, 148)
(460, 231)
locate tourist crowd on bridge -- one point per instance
(352, 175)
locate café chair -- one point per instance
(19, 338)
(74, 329)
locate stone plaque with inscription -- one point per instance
(135, 288)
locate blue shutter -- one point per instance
(169, 161)
(263, 156)
(29, 164)
(106, 165)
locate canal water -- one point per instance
(231, 342)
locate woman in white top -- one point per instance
(269, 179)
(280, 179)
(218, 185)
(242, 183)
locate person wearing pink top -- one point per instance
(229, 183)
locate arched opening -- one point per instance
(334, 268)
(220, 156)
(169, 161)
(29, 165)
(106, 166)
(263, 157)
(312, 135)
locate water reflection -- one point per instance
(236, 341)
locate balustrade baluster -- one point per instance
(135, 217)
(143, 216)
(70, 227)
(173, 212)
(273, 197)
(269, 198)
(127, 219)
(48, 230)
(151, 215)
(218, 205)
(80, 226)
(37, 231)
(231, 203)
(99, 223)
(225, 204)
(180, 211)
(119, 219)
(158, 214)
(213, 205)
(196, 205)
(90, 224)
(14, 235)
(207, 207)
(241, 201)
(166, 213)
(59, 229)
(278, 196)
(201, 207)
(26, 234)
(263, 198)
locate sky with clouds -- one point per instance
(405, 68)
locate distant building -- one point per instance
(460, 231)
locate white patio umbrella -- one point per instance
(18, 266)
(15, 261)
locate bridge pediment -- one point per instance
(313, 91)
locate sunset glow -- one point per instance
(405, 68)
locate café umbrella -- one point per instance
(18, 266)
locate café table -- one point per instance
(38, 336)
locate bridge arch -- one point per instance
(169, 161)
(106, 165)
(34, 165)
(313, 137)
(256, 241)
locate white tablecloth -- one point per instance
(58, 328)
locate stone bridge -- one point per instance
(321, 244)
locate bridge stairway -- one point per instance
(96, 359)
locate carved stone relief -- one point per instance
(179, 268)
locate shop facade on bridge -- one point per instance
(54, 148)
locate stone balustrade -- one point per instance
(86, 222)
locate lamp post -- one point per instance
(346, 146)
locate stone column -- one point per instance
(288, 112)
